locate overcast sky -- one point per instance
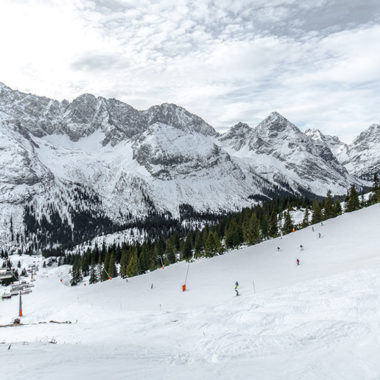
(317, 62)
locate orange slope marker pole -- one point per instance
(187, 272)
(20, 307)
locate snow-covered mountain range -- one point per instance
(361, 158)
(81, 166)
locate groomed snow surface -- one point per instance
(319, 320)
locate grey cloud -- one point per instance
(315, 61)
(278, 17)
(108, 6)
(97, 62)
(335, 15)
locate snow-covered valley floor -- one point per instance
(319, 320)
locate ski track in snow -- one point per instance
(320, 320)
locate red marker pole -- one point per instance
(187, 272)
(107, 274)
(20, 307)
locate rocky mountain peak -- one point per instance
(239, 130)
(178, 117)
(315, 134)
(237, 136)
(370, 135)
(83, 108)
(3, 86)
(276, 123)
(276, 118)
(85, 98)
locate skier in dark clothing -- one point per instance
(278, 249)
(236, 288)
(301, 247)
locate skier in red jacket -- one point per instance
(298, 261)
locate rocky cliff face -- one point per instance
(281, 153)
(364, 153)
(361, 158)
(84, 165)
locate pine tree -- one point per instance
(133, 268)
(374, 197)
(305, 220)
(375, 186)
(232, 236)
(317, 213)
(212, 246)
(273, 225)
(205, 233)
(252, 230)
(104, 251)
(159, 248)
(362, 201)
(112, 271)
(76, 272)
(95, 255)
(123, 263)
(93, 275)
(106, 264)
(288, 223)
(328, 207)
(353, 200)
(85, 263)
(264, 226)
(171, 251)
(100, 267)
(186, 248)
(198, 244)
(175, 241)
(337, 208)
(144, 258)
(117, 253)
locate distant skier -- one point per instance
(278, 249)
(298, 262)
(319, 235)
(301, 247)
(312, 228)
(151, 286)
(236, 288)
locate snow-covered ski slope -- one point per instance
(320, 320)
